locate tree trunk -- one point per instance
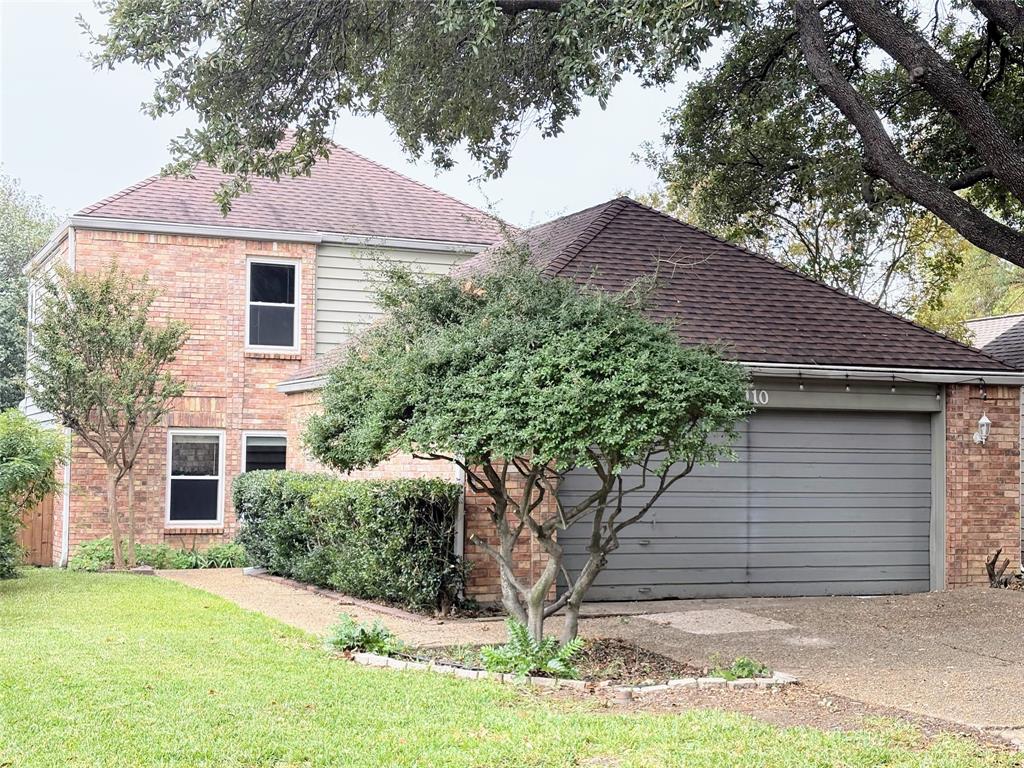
(131, 518)
(115, 525)
(595, 563)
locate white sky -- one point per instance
(73, 135)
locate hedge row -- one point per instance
(389, 540)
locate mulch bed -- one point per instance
(618, 661)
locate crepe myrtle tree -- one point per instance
(99, 365)
(519, 379)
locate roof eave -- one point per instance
(294, 386)
(885, 373)
(105, 223)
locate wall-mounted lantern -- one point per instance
(984, 424)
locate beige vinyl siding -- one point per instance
(345, 280)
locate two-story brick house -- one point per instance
(882, 457)
(283, 277)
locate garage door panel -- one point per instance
(744, 589)
(741, 515)
(726, 561)
(776, 575)
(784, 502)
(814, 498)
(745, 546)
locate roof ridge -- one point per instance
(810, 279)
(610, 211)
(118, 195)
(420, 184)
(994, 317)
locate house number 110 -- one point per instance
(758, 396)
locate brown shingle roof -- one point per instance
(1008, 346)
(713, 292)
(344, 194)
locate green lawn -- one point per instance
(100, 670)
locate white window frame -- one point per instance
(219, 522)
(246, 434)
(296, 307)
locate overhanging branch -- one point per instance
(884, 161)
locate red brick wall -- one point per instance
(982, 481)
(303, 404)
(203, 282)
(484, 579)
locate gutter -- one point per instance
(921, 375)
(302, 385)
(278, 235)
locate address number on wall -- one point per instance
(758, 396)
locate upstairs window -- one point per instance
(195, 486)
(272, 319)
(265, 451)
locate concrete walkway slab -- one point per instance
(716, 621)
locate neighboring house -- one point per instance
(859, 473)
(286, 275)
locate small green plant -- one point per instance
(351, 635)
(524, 656)
(741, 669)
(98, 555)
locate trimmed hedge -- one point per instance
(389, 540)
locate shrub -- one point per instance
(390, 540)
(742, 668)
(524, 656)
(29, 456)
(351, 635)
(98, 555)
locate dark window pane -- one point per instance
(272, 283)
(195, 455)
(272, 326)
(265, 453)
(194, 500)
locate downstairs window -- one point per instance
(196, 478)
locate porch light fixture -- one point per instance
(984, 424)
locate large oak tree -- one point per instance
(867, 105)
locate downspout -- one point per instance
(65, 528)
(460, 516)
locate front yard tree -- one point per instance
(25, 224)
(861, 105)
(519, 379)
(98, 364)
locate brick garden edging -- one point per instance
(777, 680)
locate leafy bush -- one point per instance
(98, 555)
(742, 668)
(29, 457)
(390, 540)
(524, 656)
(351, 635)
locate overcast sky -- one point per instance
(74, 136)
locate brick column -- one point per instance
(982, 481)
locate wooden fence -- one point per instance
(37, 534)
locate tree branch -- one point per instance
(884, 161)
(946, 85)
(513, 7)
(1006, 13)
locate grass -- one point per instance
(115, 670)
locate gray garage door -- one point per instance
(819, 503)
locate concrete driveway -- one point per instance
(954, 655)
